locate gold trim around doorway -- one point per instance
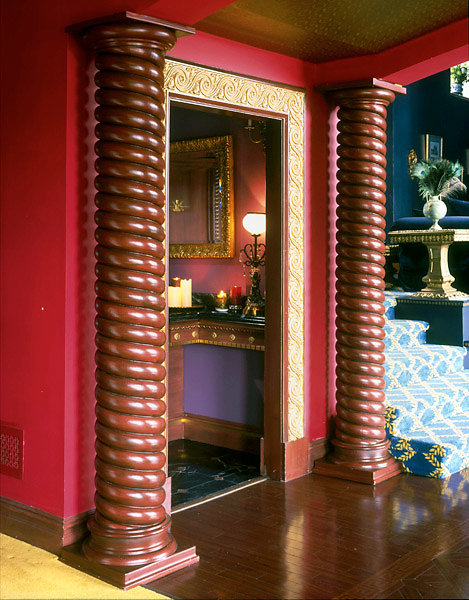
(216, 86)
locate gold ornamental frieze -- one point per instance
(439, 236)
(218, 87)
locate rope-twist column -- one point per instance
(130, 526)
(360, 440)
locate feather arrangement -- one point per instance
(436, 178)
(459, 73)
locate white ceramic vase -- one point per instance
(434, 209)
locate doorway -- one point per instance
(283, 110)
(216, 385)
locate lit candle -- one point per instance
(176, 281)
(186, 292)
(221, 299)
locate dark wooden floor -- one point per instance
(319, 537)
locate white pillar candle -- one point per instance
(186, 292)
(174, 296)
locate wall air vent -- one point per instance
(11, 457)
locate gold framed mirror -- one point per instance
(200, 202)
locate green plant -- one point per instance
(459, 74)
(436, 178)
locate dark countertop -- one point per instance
(179, 314)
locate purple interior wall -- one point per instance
(224, 383)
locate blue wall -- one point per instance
(428, 107)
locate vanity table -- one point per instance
(216, 329)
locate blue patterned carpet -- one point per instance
(427, 396)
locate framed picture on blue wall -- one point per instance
(433, 147)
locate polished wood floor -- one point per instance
(319, 537)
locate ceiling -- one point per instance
(323, 30)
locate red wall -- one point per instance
(46, 234)
(33, 238)
(213, 275)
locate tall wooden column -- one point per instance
(360, 449)
(130, 542)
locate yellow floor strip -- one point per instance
(27, 573)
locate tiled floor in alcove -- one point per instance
(199, 471)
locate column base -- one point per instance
(128, 577)
(344, 471)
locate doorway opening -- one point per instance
(216, 358)
(283, 109)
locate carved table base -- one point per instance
(438, 279)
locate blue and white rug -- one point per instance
(427, 398)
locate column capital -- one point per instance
(371, 83)
(127, 17)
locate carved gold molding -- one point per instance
(216, 86)
(221, 147)
(411, 299)
(439, 236)
(412, 161)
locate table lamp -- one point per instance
(254, 223)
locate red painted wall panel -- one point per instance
(79, 283)
(33, 247)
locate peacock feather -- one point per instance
(436, 178)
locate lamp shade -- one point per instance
(254, 223)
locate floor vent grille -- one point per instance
(11, 456)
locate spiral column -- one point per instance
(360, 449)
(130, 529)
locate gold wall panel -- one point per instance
(215, 86)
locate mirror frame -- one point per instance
(222, 148)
